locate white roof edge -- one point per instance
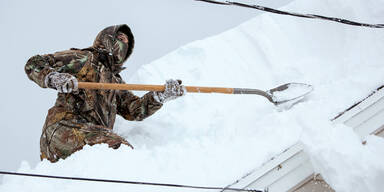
(359, 106)
(269, 166)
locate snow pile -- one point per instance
(347, 165)
(213, 139)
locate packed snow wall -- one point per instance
(213, 139)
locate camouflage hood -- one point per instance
(107, 40)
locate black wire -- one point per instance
(308, 16)
(127, 182)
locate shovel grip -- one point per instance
(141, 87)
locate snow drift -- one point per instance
(213, 139)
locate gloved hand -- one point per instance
(173, 90)
(62, 82)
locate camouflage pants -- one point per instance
(61, 139)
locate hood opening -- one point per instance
(106, 38)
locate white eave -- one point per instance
(367, 117)
(292, 169)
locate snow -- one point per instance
(339, 156)
(214, 139)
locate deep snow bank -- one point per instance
(214, 139)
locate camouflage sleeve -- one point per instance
(38, 67)
(135, 108)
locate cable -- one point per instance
(308, 16)
(128, 182)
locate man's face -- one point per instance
(122, 37)
(120, 48)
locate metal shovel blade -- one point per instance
(289, 92)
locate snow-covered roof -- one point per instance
(292, 169)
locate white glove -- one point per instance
(62, 82)
(173, 90)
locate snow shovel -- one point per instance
(290, 92)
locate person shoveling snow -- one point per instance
(84, 116)
(92, 93)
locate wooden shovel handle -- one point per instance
(140, 87)
(269, 94)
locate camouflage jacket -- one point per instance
(98, 63)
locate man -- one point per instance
(82, 117)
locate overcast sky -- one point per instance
(39, 27)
